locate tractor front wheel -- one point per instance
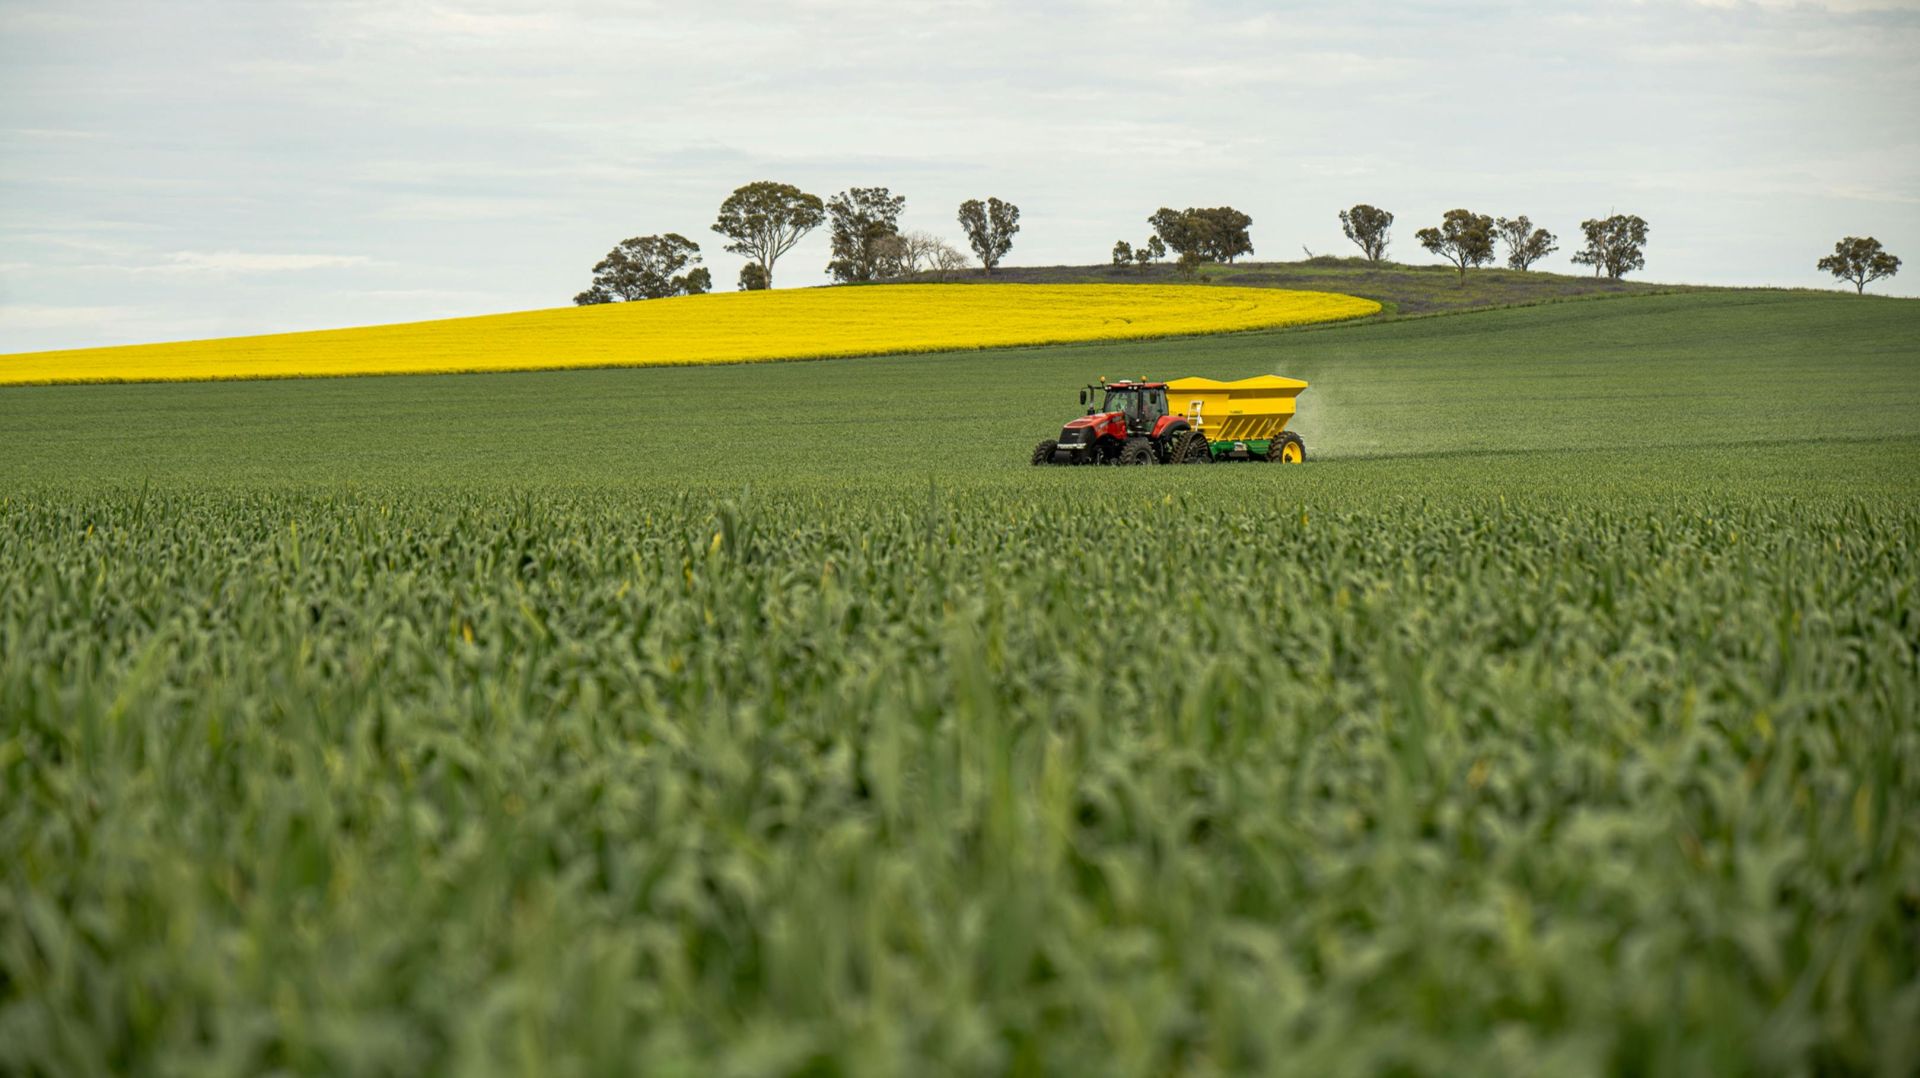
(1287, 448)
(1138, 451)
(1043, 453)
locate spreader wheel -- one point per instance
(1287, 448)
(1043, 453)
(1138, 451)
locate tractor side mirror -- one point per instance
(1083, 396)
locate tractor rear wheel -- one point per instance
(1287, 448)
(1138, 451)
(1043, 453)
(1190, 447)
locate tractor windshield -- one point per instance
(1140, 405)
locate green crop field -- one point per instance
(1560, 716)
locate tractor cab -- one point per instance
(1139, 405)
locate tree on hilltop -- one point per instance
(989, 226)
(1184, 233)
(889, 257)
(765, 219)
(1151, 251)
(1367, 227)
(1218, 234)
(1614, 245)
(1125, 254)
(1525, 243)
(1464, 238)
(864, 219)
(947, 260)
(1860, 260)
(753, 277)
(918, 251)
(1226, 230)
(1198, 236)
(647, 267)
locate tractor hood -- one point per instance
(1093, 420)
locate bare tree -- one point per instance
(889, 255)
(915, 251)
(949, 261)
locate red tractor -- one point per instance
(1126, 423)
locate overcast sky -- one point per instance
(196, 168)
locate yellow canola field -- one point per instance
(727, 327)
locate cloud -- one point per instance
(469, 208)
(54, 133)
(445, 22)
(250, 262)
(33, 316)
(1843, 7)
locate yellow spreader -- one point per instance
(1241, 419)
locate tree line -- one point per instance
(762, 221)
(1614, 245)
(1465, 239)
